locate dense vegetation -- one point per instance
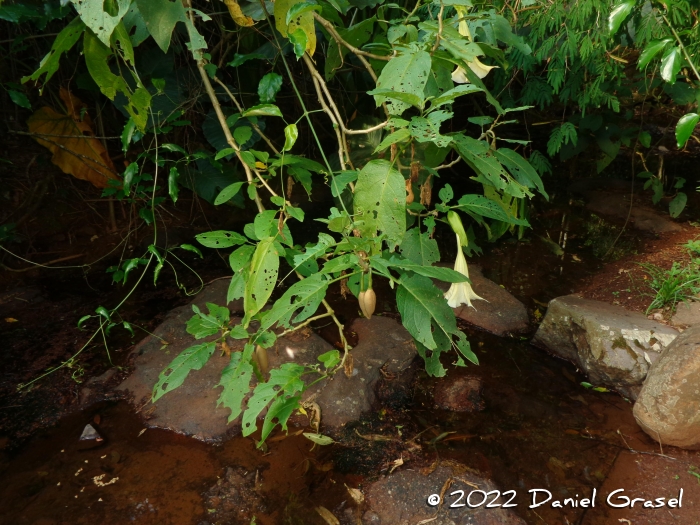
(242, 101)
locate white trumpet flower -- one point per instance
(459, 76)
(461, 293)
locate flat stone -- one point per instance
(612, 345)
(687, 314)
(668, 405)
(402, 497)
(502, 315)
(192, 409)
(383, 343)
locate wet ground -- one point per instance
(539, 427)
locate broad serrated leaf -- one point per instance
(192, 358)
(203, 325)
(304, 297)
(312, 253)
(341, 180)
(419, 248)
(284, 381)
(235, 379)
(380, 196)
(220, 239)
(452, 94)
(262, 278)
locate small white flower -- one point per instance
(461, 293)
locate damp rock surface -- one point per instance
(403, 497)
(613, 346)
(667, 406)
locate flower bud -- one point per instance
(368, 302)
(260, 358)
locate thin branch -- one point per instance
(444, 166)
(241, 109)
(329, 27)
(61, 136)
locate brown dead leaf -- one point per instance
(70, 138)
(349, 366)
(237, 14)
(355, 494)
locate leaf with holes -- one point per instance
(262, 278)
(235, 379)
(192, 358)
(406, 73)
(65, 41)
(285, 382)
(304, 297)
(419, 248)
(303, 21)
(203, 325)
(220, 239)
(380, 196)
(98, 19)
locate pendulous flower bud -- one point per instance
(368, 302)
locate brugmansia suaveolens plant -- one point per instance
(418, 61)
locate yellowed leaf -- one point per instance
(327, 516)
(71, 139)
(10, 320)
(237, 14)
(260, 165)
(304, 21)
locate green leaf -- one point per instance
(173, 188)
(228, 193)
(479, 205)
(291, 133)
(278, 413)
(521, 169)
(193, 249)
(262, 278)
(268, 87)
(452, 94)
(19, 98)
(82, 320)
(242, 134)
(393, 138)
(65, 41)
(313, 252)
(240, 257)
(419, 248)
(676, 206)
(224, 153)
(652, 49)
(161, 16)
(128, 134)
(434, 272)
(220, 239)
(319, 439)
(301, 8)
(235, 379)
(304, 296)
(341, 180)
(192, 358)
(685, 127)
(262, 110)
(619, 13)
(671, 64)
(330, 359)
(284, 381)
(203, 325)
(98, 19)
(406, 73)
(380, 199)
(298, 40)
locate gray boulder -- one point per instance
(668, 406)
(613, 346)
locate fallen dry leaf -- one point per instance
(70, 138)
(355, 494)
(327, 515)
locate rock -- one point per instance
(90, 438)
(192, 408)
(402, 497)
(502, 315)
(459, 394)
(667, 406)
(687, 314)
(383, 343)
(612, 345)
